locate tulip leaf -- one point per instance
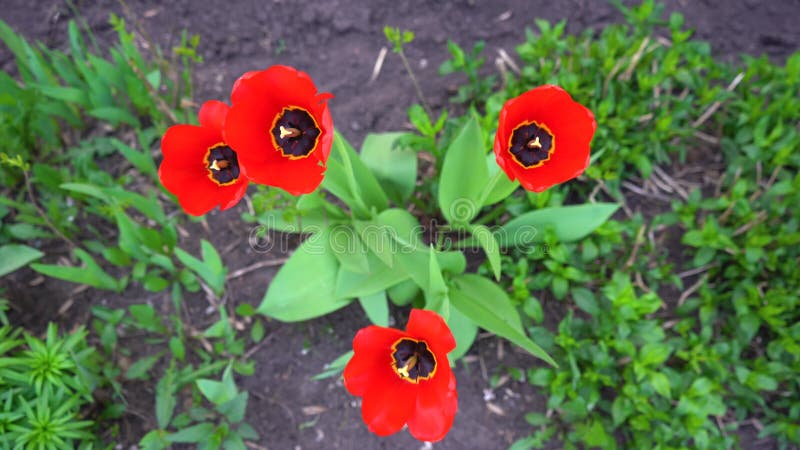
(13, 257)
(380, 277)
(402, 226)
(464, 175)
(403, 293)
(349, 249)
(464, 330)
(395, 168)
(378, 239)
(338, 182)
(352, 181)
(486, 304)
(376, 306)
(490, 246)
(305, 286)
(570, 223)
(436, 294)
(499, 186)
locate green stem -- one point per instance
(496, 212)
(414, 82)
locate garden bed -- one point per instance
(338, 44)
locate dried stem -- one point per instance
(414, 81)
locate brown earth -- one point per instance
(337, 43)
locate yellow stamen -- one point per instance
(403, 371)
(289, 132)
(219, 164)
(535, 143)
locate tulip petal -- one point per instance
(185, 145)
(388, 404)
(371, 359)
(430, 327)
(212, 115)
(437, 404)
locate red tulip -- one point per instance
(281, 127)
(199, 167)
(405, 377)
(543, 138)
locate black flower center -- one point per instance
(222, 165)
(531, 144)
(295, 132)
(412, 360)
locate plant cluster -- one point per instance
(47, 390)
(678, 325)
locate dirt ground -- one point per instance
(337, 43)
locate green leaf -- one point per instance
(349, 249)
(165, 398)
(257, 331)
(585, 300)
(14, 256)
(86, 189)
(570, 223)
(491, 295)
(488, 306)
(395, 168)
(379, 278)
(154, 440)
(154, 283)
(654, 353)
(146, 317)
(595, 435)
(416, 264)
(403, 293)
(377, 308)
(130, 238)
(213, 261)
(334, 367)
(436, 293)
(403, 227)
(177, 348)
(218, 392)
(660, 383)
(201, 432)
(378, 239)
(91, 273)
(141, 368)
(304, 287)
(210, 269)
(114, 116)
(234, 409)
(352, 177)
(464, 330)
(154, 78)
(464, 175)
(141, 160)
(66, 94)
(499, 186)
(490, 246)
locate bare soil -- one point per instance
(337, 43)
